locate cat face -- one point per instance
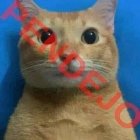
(87, 33)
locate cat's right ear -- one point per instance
(28, 9)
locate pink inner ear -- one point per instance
(105, 10)
(28, 9)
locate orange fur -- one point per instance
(55, 109)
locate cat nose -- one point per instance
(64, 57)
(73, 64)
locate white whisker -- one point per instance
(39, 63)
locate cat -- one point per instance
(52, 106)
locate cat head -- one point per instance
(87, 33)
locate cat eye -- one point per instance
(47, 36)
(90, 36)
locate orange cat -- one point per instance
(52, 107)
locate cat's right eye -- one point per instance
(47, 36)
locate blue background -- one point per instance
(127, 34)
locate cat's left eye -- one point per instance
(47, 36)
(90, 36)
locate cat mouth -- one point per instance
(52, 78)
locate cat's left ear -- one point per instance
(106, 9)
(28, 9)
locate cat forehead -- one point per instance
(64, 16)
(74, 18)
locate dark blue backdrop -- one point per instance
(127, 35)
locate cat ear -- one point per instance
(28, 9)
(106, 9)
